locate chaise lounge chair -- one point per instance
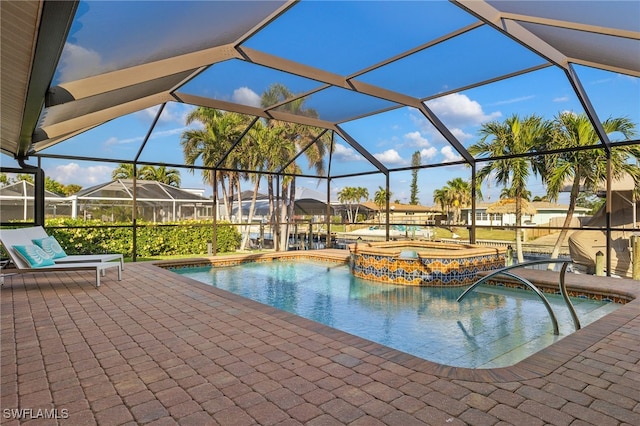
(36, 233)
(29, 258)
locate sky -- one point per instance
(342, 45)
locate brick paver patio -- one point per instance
(157, 348)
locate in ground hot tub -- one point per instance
(423, 263)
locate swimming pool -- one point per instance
(492, 327)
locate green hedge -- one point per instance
(178, 238)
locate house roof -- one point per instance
(539, 206)
(163, 53)
(145, 190)
(402, 208)
(24, 189)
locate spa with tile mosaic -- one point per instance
(423, 263)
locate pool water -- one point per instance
(492, 327)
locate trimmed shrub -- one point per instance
(176, 238)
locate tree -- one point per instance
(294, 137)
(590, 201)
(415, 163)
(441, 197)
(352, 196)
(585, 169)
(509, 139)
(381, 198)
(124, 171)
(49, 184)
(161, 174)
(452, 197)
(347, 196)
(211, 144)
(71, 189)
(459, 193)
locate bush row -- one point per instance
(177, 238)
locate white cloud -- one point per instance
(83, 176)
(428, 153)
(390, 156)
(345, 153)
(173, 112)
(246, 96)
(459, 134)
(512, 100)
(449, 154)
(417, 140)
(77, 62)
(561, 99)
(458, 110)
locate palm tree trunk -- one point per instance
(239, 200)
(284, 225)
(573, 197)
(250, 218)
(518, 230)
(292, 204)
(225, 198)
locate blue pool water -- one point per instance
(492, 327)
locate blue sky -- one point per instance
(392, 137)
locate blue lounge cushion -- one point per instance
(34, 255)
(50, 246)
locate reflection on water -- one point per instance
(491, 327)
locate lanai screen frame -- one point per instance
(36, 137)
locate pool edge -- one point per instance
(540, 364)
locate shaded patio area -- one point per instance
(158, 348)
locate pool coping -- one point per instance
(540, 364)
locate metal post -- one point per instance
(387, 197)
(608, 213)
(328, 242)
(635, 253)
(134, 214)
(214, 236)
(39, 203)
(472, 230)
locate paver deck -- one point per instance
(158, 348)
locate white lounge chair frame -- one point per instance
(11, 237)
(38, 232)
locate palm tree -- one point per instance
(361, 194)
(352, 196)
(511, 138)
(585, 170)
(381, 198)
(459, 196)
(295, 137)
(441, 197)
(258, 154)
(455, 195)
(347, 196)
(211, 144)
(161, 174)
(124, 171)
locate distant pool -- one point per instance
(492, 327)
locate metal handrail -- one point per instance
(563, 289)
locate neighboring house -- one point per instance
(17, 203)
(403, 213)
(156, 201)
(546, 213)
(308, 202)
(110, 201)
